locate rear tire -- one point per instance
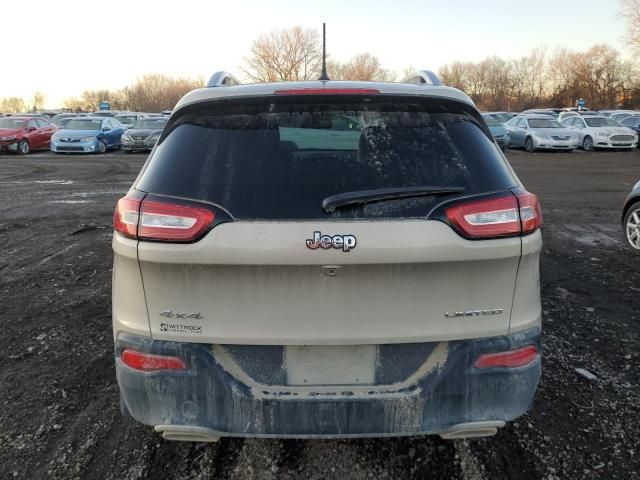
(587, 144)
(631, 226)
(23, 147)
(528, 145)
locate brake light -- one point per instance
(530, 213)
(510, 359)
(497, 217)
(161, 220)
(146, 362)
(327, 91)
(125, 217)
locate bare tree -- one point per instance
(630, 10)
(364, 67)
(285, 55)
(13, 105)
(38, 101)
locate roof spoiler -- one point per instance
(423, 77)
(222, 79)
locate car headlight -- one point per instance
(12, 137)
(87, 139)
(542, 136)
(153, 138)
(605, 133)
(126, 137)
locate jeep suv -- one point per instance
(326, 258)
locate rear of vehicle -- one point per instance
(326, 259)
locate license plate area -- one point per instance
(330, 365)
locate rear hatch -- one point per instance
(277, 268)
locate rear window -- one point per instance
(279, 157)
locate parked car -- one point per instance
(303, 289)
(541, 111)
(105, 113)
(89, 135)
(601, 132)
(502, 117)
(498, 131)
(129, 119)
(539, 132)
(631, 218)
(57, 119)
(23, 134)
(633, 123)
(620, 116)
(144, 134)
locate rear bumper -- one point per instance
(208, 396)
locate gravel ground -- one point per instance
(60, 416)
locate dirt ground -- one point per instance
(60, 416)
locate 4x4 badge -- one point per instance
(344, 242)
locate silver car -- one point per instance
(540, 132)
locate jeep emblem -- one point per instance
(344, 242)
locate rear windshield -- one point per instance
(279, 157)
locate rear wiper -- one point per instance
(363, 197)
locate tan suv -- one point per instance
(326, 259)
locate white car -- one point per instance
(601, 132)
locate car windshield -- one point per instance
(11, 123)
(543, 123)
(84, 124)
(492, 122)
(150, 124)
(280, 158)
(600, 122)
(126, 119)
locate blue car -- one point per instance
(88, 135)
(498, 131)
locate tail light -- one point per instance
(506, 216)
(146, 362)
(510, 359)
(161, 220)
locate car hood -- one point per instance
(77, 133)
(557, 132)
(9, 132)
(142, 132)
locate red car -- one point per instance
(23, 134)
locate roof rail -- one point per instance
(222, 79)
(423, 77)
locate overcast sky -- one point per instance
(65, 46)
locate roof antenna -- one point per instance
(324, 75)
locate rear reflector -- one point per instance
(497, 217)
(510, 359)
(327, 91)
(146, 362)
(160, 220)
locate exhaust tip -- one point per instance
(186, 433)
(472, 430)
